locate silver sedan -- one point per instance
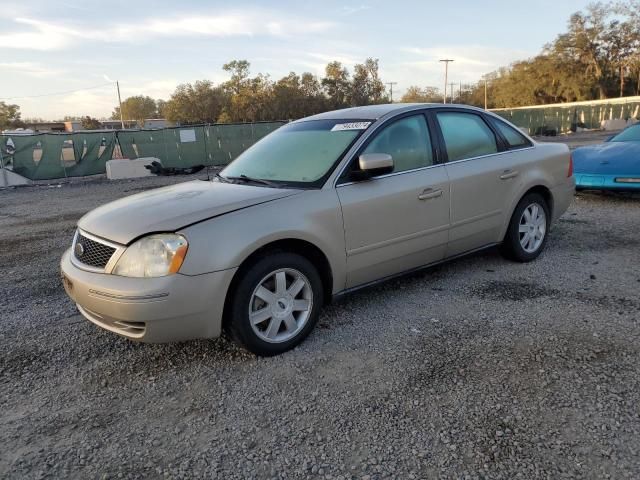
(320, 207)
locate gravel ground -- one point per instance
(481, 368)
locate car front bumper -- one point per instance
(164, 309)
(585, 181)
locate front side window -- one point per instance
(514, 138)
(301, 154)
(631, 134)
(407, 141)
(466, 135)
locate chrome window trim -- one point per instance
(393, 174)
(491, 155)
(437, 165)
(119, 250)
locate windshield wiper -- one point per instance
(221, 178)
(246, 179)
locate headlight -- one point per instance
(153, 256)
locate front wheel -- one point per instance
(276, 304)
(526, 235)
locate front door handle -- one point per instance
(507, 174)
(429, 193)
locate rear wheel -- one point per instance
(526, 235)
(276, 304)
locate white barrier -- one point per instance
(10, 179)
(125, 168)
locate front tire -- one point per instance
(528, 229)
(276, 304)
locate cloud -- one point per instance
(345, 59)
(351, 9)
(29, 68)
(470, 61)
(44, 35)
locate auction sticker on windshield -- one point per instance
(338, 127)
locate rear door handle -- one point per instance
(429, 193)
(507, 174)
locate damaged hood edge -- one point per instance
(171, 208)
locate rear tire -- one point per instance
(528, 229)
(276, 304)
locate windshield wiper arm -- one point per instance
(222, 178)
(248, 179)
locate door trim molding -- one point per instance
(404, 238)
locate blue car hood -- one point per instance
(609, 158)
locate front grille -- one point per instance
(92, 253)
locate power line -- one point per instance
(58, 93)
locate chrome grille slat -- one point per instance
(94, 254)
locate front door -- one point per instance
(397, 221)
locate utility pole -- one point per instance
(460, 93)
(446, 78)
(451, 85)
(120, 102)
(485, 93)
(391, 84)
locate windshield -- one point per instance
(631, 134)
(302, 154)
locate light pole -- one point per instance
(120, 103)
(391, 84)
(485, 93)
(446, 77)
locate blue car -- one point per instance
(613, 165)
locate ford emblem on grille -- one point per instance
(79, 250)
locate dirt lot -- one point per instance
(478, 369)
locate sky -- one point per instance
(58, 47)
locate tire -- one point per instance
(516, 244)
(267, 313)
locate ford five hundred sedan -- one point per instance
(318, 208)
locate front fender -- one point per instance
(225, 242)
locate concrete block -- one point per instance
(9, 178)
(613, 124)
(125, 168)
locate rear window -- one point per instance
(466, 135)
(514, 138)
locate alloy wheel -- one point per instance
(532, 228)
(280, 305)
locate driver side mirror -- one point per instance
(373, 164)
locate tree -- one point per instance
(201, 102)
(366, 87)
(415, 94)
(136, 108)
(89, 123)
(336, 85)
(9, 116)
(239, 70)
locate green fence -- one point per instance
(53, 155)
(197, 145)
(48, 156)
(563, 118)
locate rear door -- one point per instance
(483, 175)
(397, 221)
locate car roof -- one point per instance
(375, 112)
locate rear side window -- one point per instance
(466, 135)
(407, 141)
(514, 138)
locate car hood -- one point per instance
(170, 208)
(607, 158)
